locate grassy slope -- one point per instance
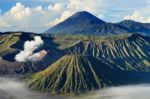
(67, 40)
(6, 41)
(71, 74)
(130, 53)
(127, 52)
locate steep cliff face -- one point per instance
(131, 53)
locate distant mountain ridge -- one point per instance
(134, 26)
(86, 23)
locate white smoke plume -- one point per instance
(29, 46)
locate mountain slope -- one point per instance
(77, 74)
(77, 23)
(86, 23)
(79, 63)
(136, 26)
(130, 53)
(107, 29)
(71, 74)
(115, 61)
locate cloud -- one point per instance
(140, 91)
(140, 14)
(3, 23)
(56, 7)
(20, 11)
(80, 5)
(29, 46)
(137, 16)
(14, 89)
(64, 16)
(87, 5)
(23, 18)
(38, 17)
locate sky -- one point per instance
(39, 15)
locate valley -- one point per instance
(76, 64)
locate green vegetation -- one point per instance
(6, 41)
(67, 40)
(70, 74)
(146, 62)
(126, 51)
(79, 63)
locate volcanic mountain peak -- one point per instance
(84, 15)
(85, 23)
(70, 74)
(76, 23)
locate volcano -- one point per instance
(71, 74)
(77, 23)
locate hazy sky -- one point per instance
(39, 15)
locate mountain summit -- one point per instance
(77, 23)
(84, 18)
(86, 23)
